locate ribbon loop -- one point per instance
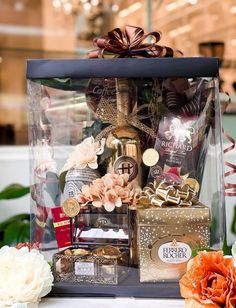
(160, 193)
(132, 42)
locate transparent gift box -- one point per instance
(126, 155)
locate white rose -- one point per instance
(25, 276)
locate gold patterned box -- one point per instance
(85, 266)
(166, 238)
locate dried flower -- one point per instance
(210, 281)
(28, 272)
(43, 161)
(110, 191)
(85, 154)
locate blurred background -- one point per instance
(65, 29)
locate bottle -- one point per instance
(124, 139)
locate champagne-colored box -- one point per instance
(166, 238)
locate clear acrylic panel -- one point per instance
(126, 175)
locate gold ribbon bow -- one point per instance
(107, 112)
(161, 193)
(132, 42)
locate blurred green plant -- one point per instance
(233, 224)
(16, 228)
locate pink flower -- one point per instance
(85, 154)
(123, 193)
(110, 191)
(97, 203)
(84, 196)
(108, 180)
(111, 200)
(97, 188)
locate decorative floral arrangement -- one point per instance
(25, 277)
(110, 191)
(210, 281)
(85, 154)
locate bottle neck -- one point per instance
(123, 101)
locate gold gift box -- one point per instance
(166, 238)
(90, 268)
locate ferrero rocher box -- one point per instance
(167, 237)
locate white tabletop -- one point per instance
(110, 303)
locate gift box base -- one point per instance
(130, 287)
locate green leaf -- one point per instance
(65, 84)
(226, 249)
(107, 153)
(14, 191)
(17, 231)
(15, 218)
(233, 225)
(11, 233)
(24, 232)
(62, 180)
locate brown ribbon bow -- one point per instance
(132, 42)
(161, 193)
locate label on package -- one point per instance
(84, 269)
(174, 252)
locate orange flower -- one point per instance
(210, 281)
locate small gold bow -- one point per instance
(161, 193)
(132, 42)
(107, 112)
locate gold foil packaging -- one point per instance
(166, 238)
(102, 265)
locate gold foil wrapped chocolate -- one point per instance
(160, 193)
(108, 252)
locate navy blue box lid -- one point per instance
(123, 67)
